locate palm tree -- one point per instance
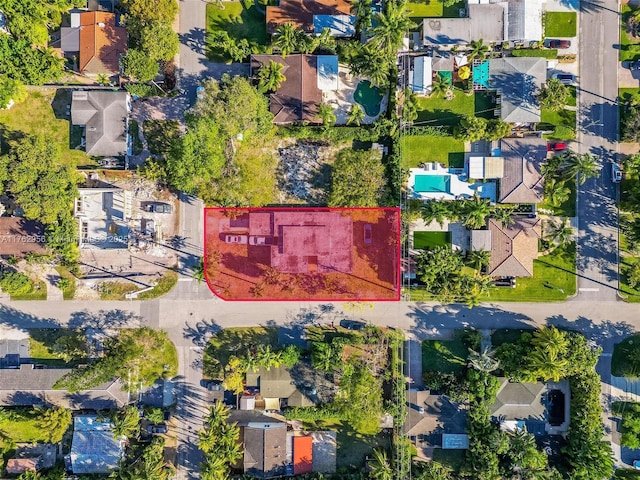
(435, 210)
(126, 423)
(550, 339)
(580, 166)
(102, 79)
(356, 115)
(54, 421)
(552, 167)
(483, 361)
(478, 49)
(547, 365)
(363, 13)
(556, 192)
(558, 233)
(440, 86)
(504, 215)
(323, 356)
(286, 38)
(478, 258)
(475, 212)
(380, 467)
(270, 76)
(391, 26)
(326, 114)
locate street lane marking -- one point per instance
(589, 289)
(185, 279)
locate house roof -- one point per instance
(302, 454)
(440, 415)
(524, 20)
(19, 236)
(278, 383)
(70, 39)
(519, 401)
(481, 167)
(301, 12)
(102, 42)
(94, 450)
(104, 113)
(33, 386)
(481, 240)
(16, 466)
(442, 62)
(265, 449)
(298, 97)
(485, 21)
(514, 248)
(522, 181)
(518, 79)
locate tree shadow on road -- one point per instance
(12, 318)
(292, 332)
(605, 334)
(201, 332)
(105, 319)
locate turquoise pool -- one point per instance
(369, 97)
(431, 184)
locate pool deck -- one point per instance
(459, 188)
(342, 99)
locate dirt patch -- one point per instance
(304, 170)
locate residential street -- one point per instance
(597, 262)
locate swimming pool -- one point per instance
(369, 97)
(431, 184)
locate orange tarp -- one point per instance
(302, 455)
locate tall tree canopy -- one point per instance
(44, 186)
(30, 19)
(30, 65)
(149, 11)
(357, 179)
(219, 158)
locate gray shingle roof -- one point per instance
(519, 401)
(517, 79)
(104, 114)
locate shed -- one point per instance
(327, 72)
(422, 75)
(481, 240)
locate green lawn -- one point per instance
(630, 295)
(627, 94)
(562, 122)
(554, 279)
(42, 342)
(234, 341)
(44, 113)
(20, 425)
(446, 356)
(484, 105)
(425, 8)
(70, 291)
(621, 353)
(566, 209)
(437, 110)
(417, 149)
(573, 101)
(164, 285)
(453, 459)
(560, 24)
(241, 20)
(629, 48)
(430, 239)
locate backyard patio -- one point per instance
(436, 182)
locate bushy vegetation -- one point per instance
(357, 179)
(219, 441)
(137, 356)
(15, 283)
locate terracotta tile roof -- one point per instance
(522, 181)
(19, 237)
(298, 97)
(301, 12)
(514, 248)
(102, 42)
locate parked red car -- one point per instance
(556, 146)
(559, 43)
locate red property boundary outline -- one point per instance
(310, 209)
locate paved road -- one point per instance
(597, 262)
(192, 62)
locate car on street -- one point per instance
(556, 146)
(616, 173)
(559, 43)
(566, 78)
(352, 324)
(258, 240)
(636, 464)
(158, 207)
(509, 282)
(634, 65)
(367, 234)
(155, 429)
(237, 239)
(212, 385)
